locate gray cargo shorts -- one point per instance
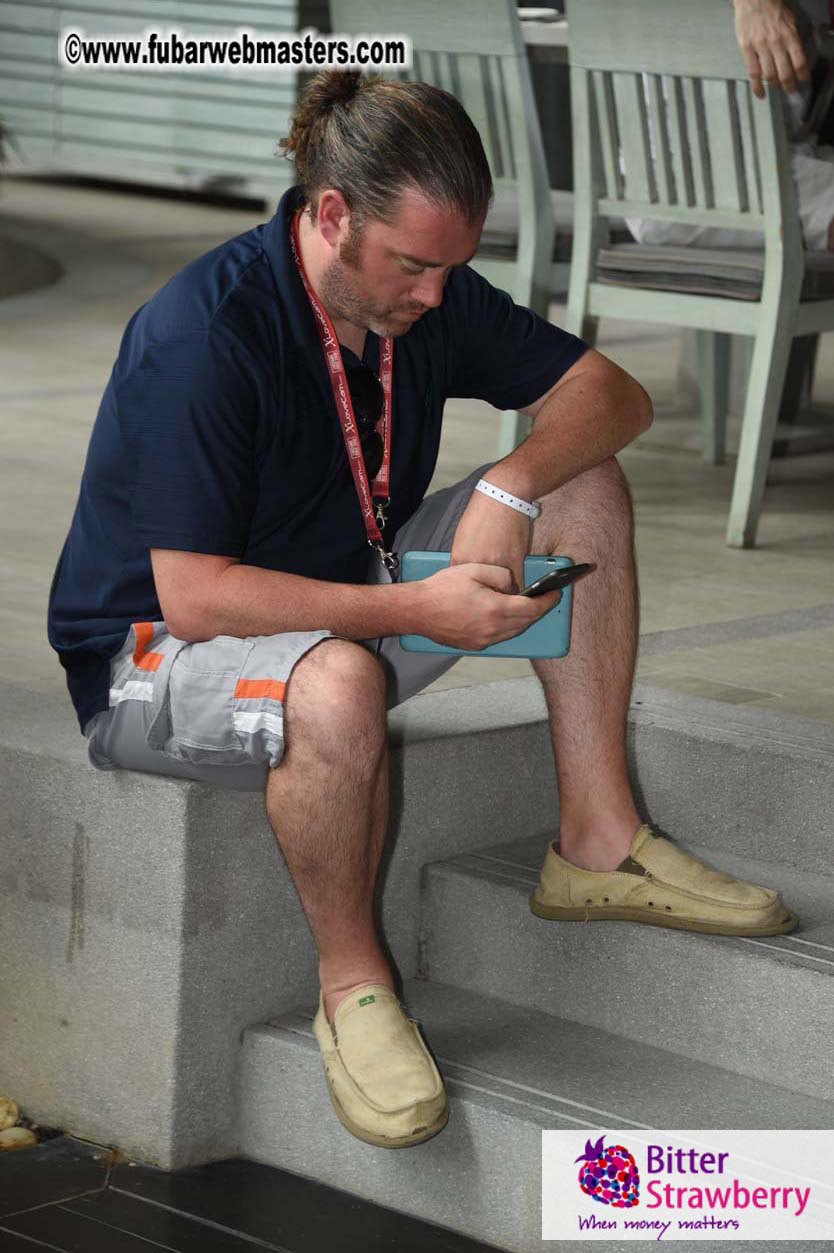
(214, 711)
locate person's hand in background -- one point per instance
(769, 40)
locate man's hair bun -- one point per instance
(335, 87)
(322, 94)
(371, 137)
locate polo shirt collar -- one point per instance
(276, 241)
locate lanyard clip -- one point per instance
(392, 563)
(390, 560)
(380, 508)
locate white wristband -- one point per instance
(489, 489)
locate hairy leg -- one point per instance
(587, 692)
(327, 801)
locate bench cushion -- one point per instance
(732, 272)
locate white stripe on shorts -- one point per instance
(258, 720)
(134, 689)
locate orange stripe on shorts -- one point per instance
(142, 659)
(255, 689)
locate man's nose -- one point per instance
(430, 291)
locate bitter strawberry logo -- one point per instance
(609, 1175)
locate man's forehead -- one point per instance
(428, 233)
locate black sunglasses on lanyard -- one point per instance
(368, 400)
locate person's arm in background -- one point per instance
(768, 35)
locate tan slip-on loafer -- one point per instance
(660, 884)
(382, 1080)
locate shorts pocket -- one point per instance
(201, 702)
(260, 693)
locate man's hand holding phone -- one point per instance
(473, 605)
(476, 601)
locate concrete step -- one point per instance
(733, 777)
(157, 891)
(761, 1007)
(510, 1072)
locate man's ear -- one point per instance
(333, 217)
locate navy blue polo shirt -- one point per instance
(218, 433)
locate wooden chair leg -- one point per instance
(761, 411)
(714, 377)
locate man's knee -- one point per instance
(596, 499)
(336, 696)
(587, 517)
(607, 479)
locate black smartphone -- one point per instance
(556, 578)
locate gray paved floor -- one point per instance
(744, 627)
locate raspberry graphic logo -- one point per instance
(609, 1175)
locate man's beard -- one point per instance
(338, 290)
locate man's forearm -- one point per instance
(248, 600)
(582, 423)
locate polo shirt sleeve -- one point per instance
(188, 413)
(499, 351)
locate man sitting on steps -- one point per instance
(225, 531)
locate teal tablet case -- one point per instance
(549, 636)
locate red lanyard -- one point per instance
(344, 408)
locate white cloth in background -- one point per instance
(812, 166)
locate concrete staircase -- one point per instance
(538, 1025)
(163, 985)
(511, 1072)
(723, 1001)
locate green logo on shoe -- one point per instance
(366, 1000)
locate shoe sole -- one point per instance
(602, 913)
(387, 1142)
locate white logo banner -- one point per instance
(636, 1184)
